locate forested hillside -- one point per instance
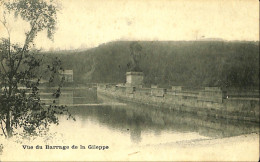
(191, 63)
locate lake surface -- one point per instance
(106, 121)
(133, 132)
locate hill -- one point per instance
(185, 63)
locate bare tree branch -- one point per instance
(3, 128)
(3, 120)
(9, 35)
(26, 44)
(3, 67)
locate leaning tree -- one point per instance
(21, 107)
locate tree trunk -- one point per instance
(8, 116)
(8, 126)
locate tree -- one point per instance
(20, 103)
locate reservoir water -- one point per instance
(133, 132)
(107, 121)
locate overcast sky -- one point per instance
(88, 23)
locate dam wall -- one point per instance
(207, 101)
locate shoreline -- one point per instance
(238, 148)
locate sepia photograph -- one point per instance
(129, 80)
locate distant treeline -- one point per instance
(183, 63)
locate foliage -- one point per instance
(187, 63)
(21, 107)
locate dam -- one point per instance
(206, 101)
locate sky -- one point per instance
(89, 23)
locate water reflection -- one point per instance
(137, 119)
(70, 96)
(140, 122)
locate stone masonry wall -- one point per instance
(210, 101)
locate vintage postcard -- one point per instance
(129, 80)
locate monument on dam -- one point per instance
(135, 77)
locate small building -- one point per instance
(68, 75)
